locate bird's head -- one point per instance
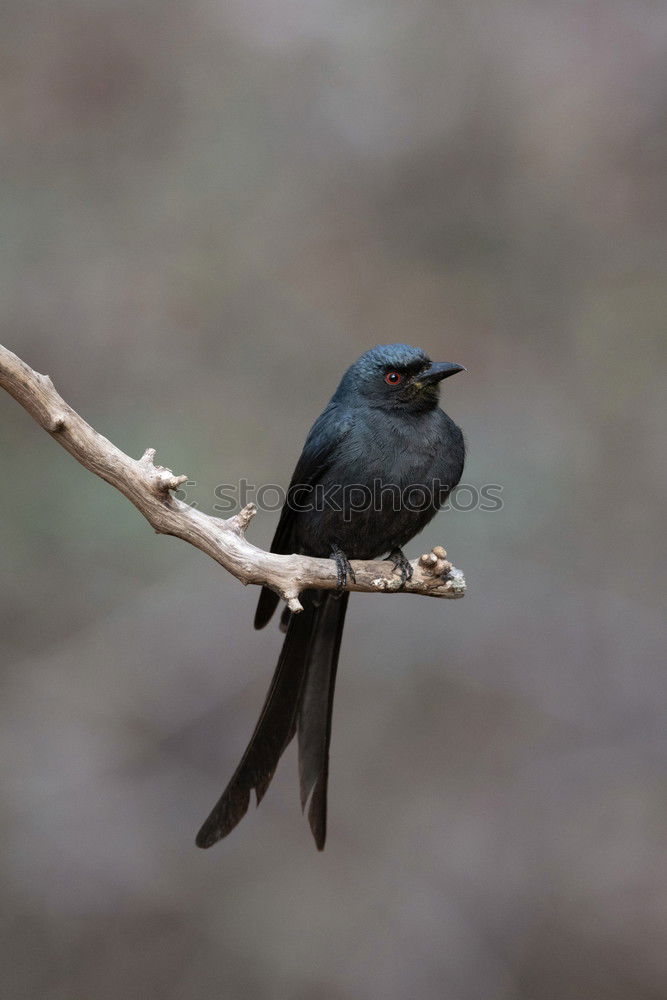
(395, 376)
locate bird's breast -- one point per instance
(383, 487)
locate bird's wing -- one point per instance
(325, 438)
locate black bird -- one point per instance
(376, 466)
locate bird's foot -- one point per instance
(400, 561)
(344, 571)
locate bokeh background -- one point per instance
(208, 211)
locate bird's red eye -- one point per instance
(393, 378)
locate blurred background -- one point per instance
(209, 210)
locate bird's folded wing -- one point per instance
(325, 438)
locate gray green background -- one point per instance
(208, 211)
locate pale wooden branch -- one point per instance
(148, 487)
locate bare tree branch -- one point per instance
(148, 487)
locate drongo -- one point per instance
(376, 466)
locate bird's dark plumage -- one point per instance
(376, 466)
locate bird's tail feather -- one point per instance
(315, 709)
(301, 695)
(273, 732)
(267, 604)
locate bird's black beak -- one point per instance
(436, 371)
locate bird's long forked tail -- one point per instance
(300, 696)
